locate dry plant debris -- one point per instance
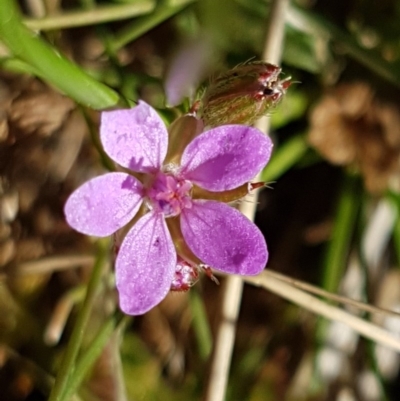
(350, 126)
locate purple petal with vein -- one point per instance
(104, 204)
(226, 157)
(136, 138)
(223, 238)
(145, 265)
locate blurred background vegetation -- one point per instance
(331, 216)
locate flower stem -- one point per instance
(394, 198)
(49, 64)
(85, 362)
(396, 237)
(225, 337)
(337, 252)
(200, 325)
(68, 364)
(97, 15)
(323, 309)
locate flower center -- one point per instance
(169, 194)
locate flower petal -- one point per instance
(226, 157)
(104, 204)
(145, 265)
(136, 138)
(224, 238)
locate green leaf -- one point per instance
(49, 64)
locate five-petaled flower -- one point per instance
(179, 194)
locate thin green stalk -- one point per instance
(89, 357)
(98, 15)
(337, 251)
(343, 229)
(18, 66)
(371, 59)
(49, 64)
(396, 238)
(94, 134)
(200, 325)
(68, 364)
(145, 24)
(285, 157)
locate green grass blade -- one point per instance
(49, 64)
(343, 229)
(90, 355)
(284, 158)
(97, 15)
(68, 363)
(145, 24)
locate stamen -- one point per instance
(169, 194)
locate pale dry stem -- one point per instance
(225, 338)
(321, 308)
(53, 263)
(331, 296)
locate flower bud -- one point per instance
(186, 275)
(243, 94)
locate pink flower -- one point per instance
(213, 164)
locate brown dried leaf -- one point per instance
(40, 111)
(28, 192)
(29, 248)
(329, 134)
(7, 251)
(3, 128)
(390, 119)
(354, 99)
(69, 142)
(5, 231)
(8, 206)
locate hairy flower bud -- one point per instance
(243, 94)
